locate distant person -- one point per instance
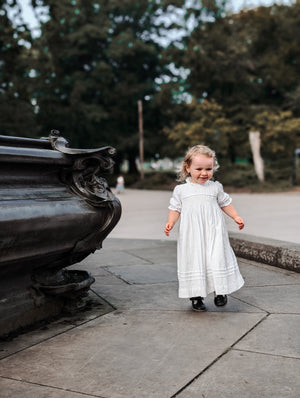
(205, 260)
(120, 187)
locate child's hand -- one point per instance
(172, 218)
(239, 221)
(168, 228)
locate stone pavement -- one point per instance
(138, 339)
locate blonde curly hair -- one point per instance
(194, 151)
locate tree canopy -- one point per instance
(17, 112)
(248, 63)
(204, 76)
(94, 61)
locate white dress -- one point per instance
(205, 260)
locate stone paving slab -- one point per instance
(135, 244)
(162, 252)
(48, 329)
(130, 353)
(248, 375)
(119, 257)
(15, 388)
(159, 255)
(273, 299)
(277, 335)
(257, 274)
(145, 274)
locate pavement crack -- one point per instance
(102, 298)
(250, 330)
(200, 374)
(53, 387)
(139, 257)
(219, 357)
(107, 268)
(275, 285)
(266, 353)
(251, 305)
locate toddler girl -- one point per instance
(205, 260)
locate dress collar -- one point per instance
(188, 180)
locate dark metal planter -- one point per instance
(55, 209)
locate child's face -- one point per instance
(201, 169)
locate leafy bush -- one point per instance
(237, 175)
(234, 176)
(160, 180)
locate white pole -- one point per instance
(254, 137)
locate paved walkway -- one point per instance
(138, 339)
(275, 216)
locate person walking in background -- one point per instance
(120, 187)
(205, 260)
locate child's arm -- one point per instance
(231, 212)
(172, 219)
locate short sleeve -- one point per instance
(223, 198)
(175, 201)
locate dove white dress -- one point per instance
(206, 262)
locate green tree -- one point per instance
(250, 57)
(205, 123)
(94, 61)
(17, 113)
(280, 131)
(249, 64)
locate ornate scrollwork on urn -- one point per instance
(84, 175)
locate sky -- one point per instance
(235, 6)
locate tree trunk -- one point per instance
(132, 164)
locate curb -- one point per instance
(268, 251)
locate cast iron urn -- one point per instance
(56, 209)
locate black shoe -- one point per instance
(220, 300)
(197, 304)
